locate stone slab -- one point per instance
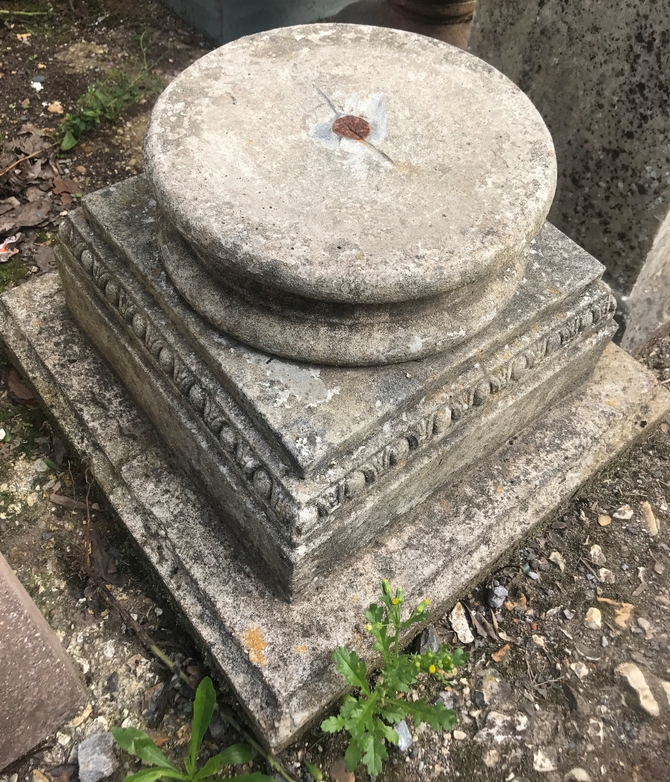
(297, 526)
(39, 687)
(434, 199)
(275, 655)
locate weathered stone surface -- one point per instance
(96, 758)
(305, 463)
(610, 127)
(39, 689)
(325, 244)
(276, 655)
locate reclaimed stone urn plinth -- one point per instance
(327, 338)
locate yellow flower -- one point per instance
(395, 601)
(368, 627)
(426, 601)
(431, 669)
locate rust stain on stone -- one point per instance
(254, 644)
(353, 127)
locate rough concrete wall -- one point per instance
(225, 20)
(599, 73)
(648, 306)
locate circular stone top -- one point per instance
(350, 164)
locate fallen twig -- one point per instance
(27, 13)
(67, 502)
(27, 157)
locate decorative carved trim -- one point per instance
(434, 427)
(228, 439)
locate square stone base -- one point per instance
(306, 464)
(278, 656)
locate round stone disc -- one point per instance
(351, 164)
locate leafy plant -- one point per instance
(138, 743)
(105, 100)
(370, 716)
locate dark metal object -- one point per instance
(435, 11)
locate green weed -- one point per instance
(138, 743)
(106, 100)
(370, 716)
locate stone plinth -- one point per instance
(39, 688)
(276, 655)
(306, 464)
(269, 223)
(304, 229)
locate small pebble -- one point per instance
(580, 670)
(404, 736)
(596, 555)
(637, 682)
(96, 758)
(577, 775)
(593, 619)
(496, 596)
(650, 522)
(459, 735)
(460, 624)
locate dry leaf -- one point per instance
(650, 522)
(17, 390)
(339, 773)
(66, 186)
(55, 108)
(497, 656)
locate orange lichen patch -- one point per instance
(254, 644)
(612, 402)
(500, 490)
(300, 649)
(622, 611)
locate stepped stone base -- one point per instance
(277, 655)
(306, 464)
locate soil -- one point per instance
(540, 695)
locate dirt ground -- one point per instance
(541, 695)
